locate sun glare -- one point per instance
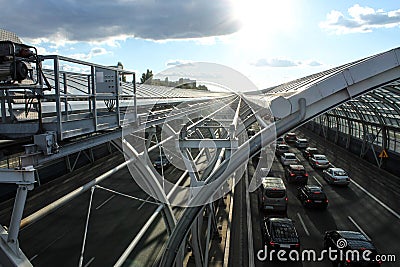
(263, 19)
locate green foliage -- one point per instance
(120, 66)
(202, 87)
(146, 76)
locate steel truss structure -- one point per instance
(373, 119)
(79, 113)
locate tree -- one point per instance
(202, 87)
(120, 66)
(146, 76)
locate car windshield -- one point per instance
(299, 172)
(340, 173)
(320, 158)
(290, 157)
(317, 195)
(284, 232)
(275, 193)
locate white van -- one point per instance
(273, 196)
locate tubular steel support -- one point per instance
(153, 184)
(24, 178)
(220, 176)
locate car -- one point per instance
(351, 241)
(280, 234)
(290, 137)
(319, 161)
(161, 161)
(280, 141)
(265, 172)
(262, 173)
(309, 151)
(336, 176)
(280, 149)
(273, 195)
(251, 133)
(296, 173)
(289, 158)
(312, 196)
(301, 143)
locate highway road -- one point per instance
(350, 208)
(56, 240)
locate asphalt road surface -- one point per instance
(350, 208)
(57, 239)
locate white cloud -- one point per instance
(177, 62)
(110, 21)
(274, 62)
(96, 51)
(360, 19)
(282, 63)
(313, 63)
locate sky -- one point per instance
(269, 42)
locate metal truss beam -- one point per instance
(207, 143)
(293, 111)
(24, 178)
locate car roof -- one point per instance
(311, 148)
(302, 139)
(275, 182)
(289, 154)
(352, 235)
(319, 155)
(291, 134)
(314, 188)
(357, 240)
(283, 230)
(296, 166)
(335, 169)
(282, 145)
(279, 219)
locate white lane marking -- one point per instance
(45, 248)
(249, 222)
(141, 205)
(376, 199)
(318, 182)
(302, 223)
(34, 257)
(105, 202)
(358, 227)
(89, 262)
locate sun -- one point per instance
(261, 20)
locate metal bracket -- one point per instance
(24, 178)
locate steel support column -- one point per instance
(219, 177)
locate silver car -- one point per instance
(301, 143)
(288, 159)
(280, 149)
(336, 176)
(319, 161)
(273, 196)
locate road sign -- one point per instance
(383, 154)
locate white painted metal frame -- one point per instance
(295, 108)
